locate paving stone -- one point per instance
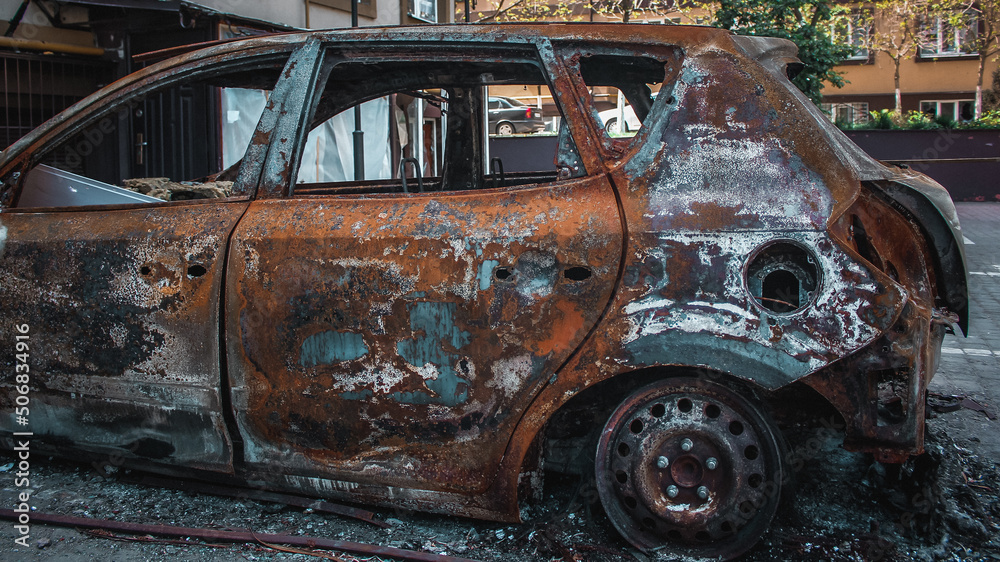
(972, 365)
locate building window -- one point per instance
(852, 30)
(423, 10)
(366, 8)
(956, 110)
(678, 20)
(853, 113)
(941, 37)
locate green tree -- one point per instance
(806, 23)
(975, 22)
(991, 97)
(527, 10)
(568, 10)
(628, 9)
(896, 33)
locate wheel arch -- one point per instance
(588, 409)
(584, 386)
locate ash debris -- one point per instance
(943, 505)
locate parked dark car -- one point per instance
(203, 285)
(507, 116)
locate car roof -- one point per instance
(687, 37)
(693, 40)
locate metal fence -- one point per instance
(35, 87)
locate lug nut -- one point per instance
(662, 462)
(703, 492)
(712, 463)
(672, 491)
(686, 444)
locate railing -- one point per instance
(35, 87)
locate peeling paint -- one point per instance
(486, 273)
(329, 347)
(509, 373)
(432, 351)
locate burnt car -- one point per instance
(204, 285)
(508, 116)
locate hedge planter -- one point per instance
(965, 161)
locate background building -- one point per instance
(938, 70)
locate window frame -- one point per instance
(857, 34)
(957, 111)
(856, 108)
(339, 52)
(941, 29)
(618, 150)
(89, 113)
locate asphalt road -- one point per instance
(971, 365)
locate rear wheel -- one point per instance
(505, 129)
(690, 468)
(612, 126)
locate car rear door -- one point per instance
(395, 338)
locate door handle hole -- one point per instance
(577, 273)
(502, 273)
(196, 270)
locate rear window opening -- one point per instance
(624, 88)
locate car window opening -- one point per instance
(624, 88)
(442, 126)
(179, 142)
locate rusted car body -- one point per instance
(421, 341)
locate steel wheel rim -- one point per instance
(741, 492)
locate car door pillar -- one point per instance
(280, 128)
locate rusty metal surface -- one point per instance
(723, 169)
(409, 348)
(123, 312)
(260, 495)
(398, 339)
(894, 371)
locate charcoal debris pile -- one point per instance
(163, 188)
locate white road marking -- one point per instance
(971, 352)
(967, 241)
(987, 273)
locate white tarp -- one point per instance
(241, 110)
(328, 155)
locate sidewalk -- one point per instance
(971, 365)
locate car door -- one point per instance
(394, 335)
(115, 278)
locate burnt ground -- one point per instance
(943, 505)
